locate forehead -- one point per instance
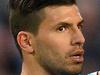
(64, 12)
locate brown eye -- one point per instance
(80, 27)
(62, 28)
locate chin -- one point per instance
(74, 70)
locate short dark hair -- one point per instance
(23, 14)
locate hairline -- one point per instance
(37, 12)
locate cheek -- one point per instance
(54, 44)
(52, 50)
(60, 42)
(49, 54)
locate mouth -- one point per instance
(78, 56)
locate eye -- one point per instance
(62, 28)
(80, 26)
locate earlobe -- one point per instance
(24, 40)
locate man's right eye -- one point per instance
(61, 28)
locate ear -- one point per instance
(25, 41)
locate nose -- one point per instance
(78, 38)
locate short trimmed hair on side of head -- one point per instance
(24, 14)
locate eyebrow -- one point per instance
(70, 24)
(64, 23)
(80, 22)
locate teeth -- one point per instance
(76, 57)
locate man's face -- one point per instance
(60, 41)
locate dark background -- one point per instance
(9, 55)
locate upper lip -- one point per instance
(78, 53)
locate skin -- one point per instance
(58, 45)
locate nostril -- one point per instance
(78, 43)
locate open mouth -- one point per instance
(78, 56)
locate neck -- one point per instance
(38, 70)
(31, 67)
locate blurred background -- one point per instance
(9, 55)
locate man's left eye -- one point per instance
(80, 27)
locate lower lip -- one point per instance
(78, 59)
